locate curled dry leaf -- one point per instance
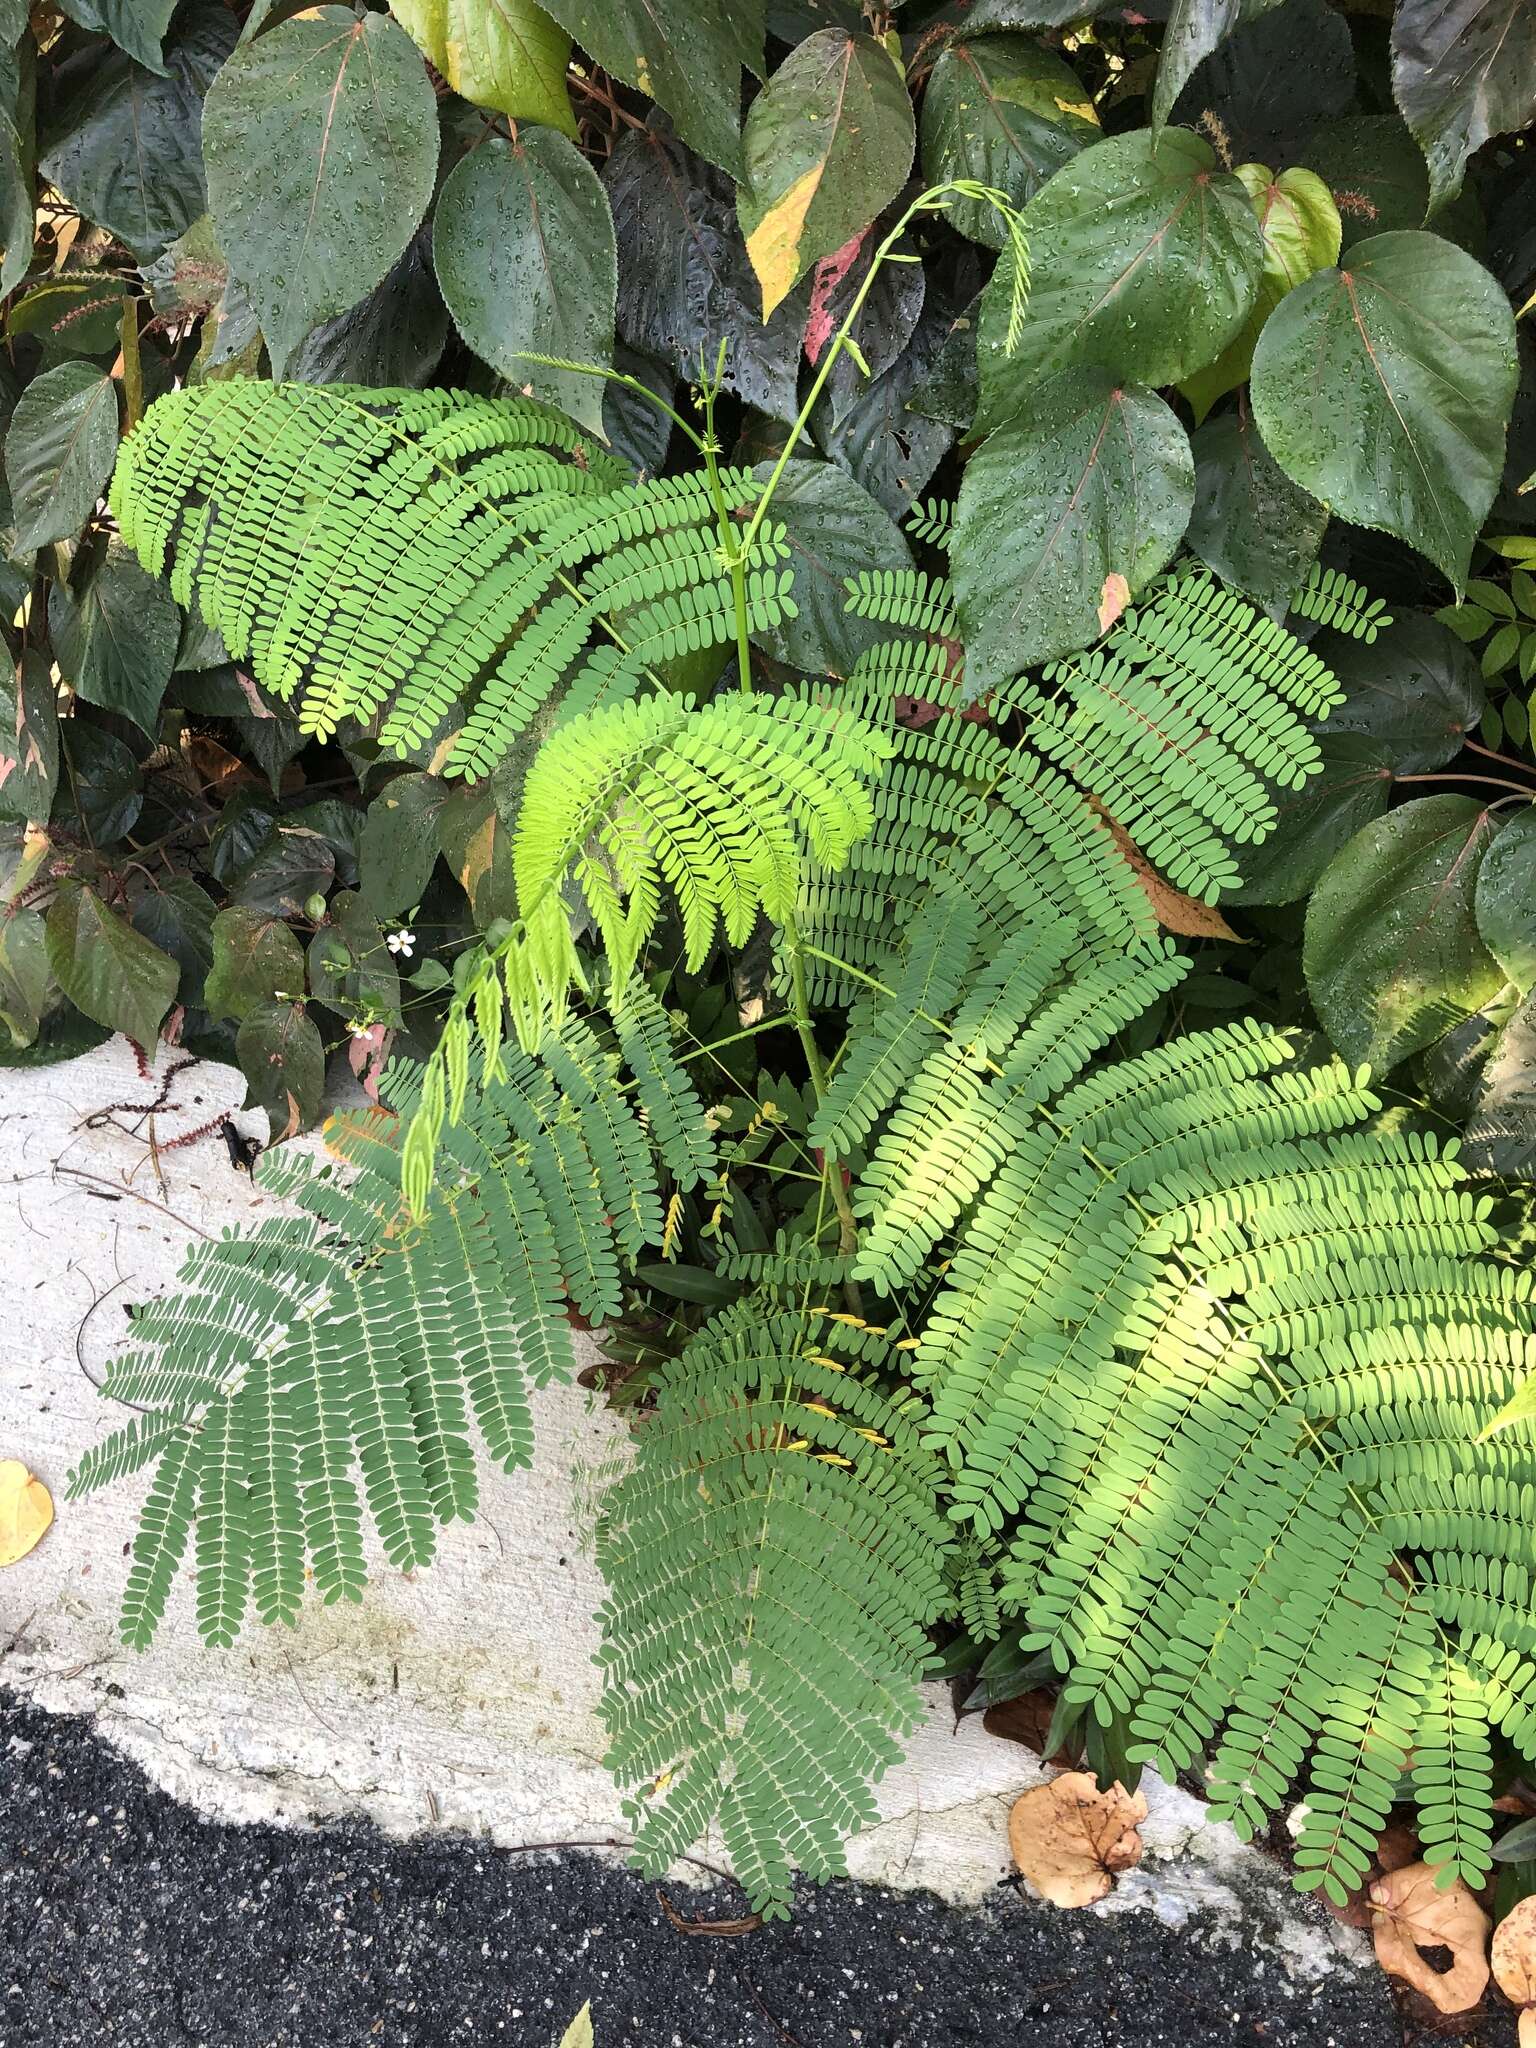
(26, 1510)
(1027, 1719)
(1408, 1914)
(1514, 1964)
(1070, 1839)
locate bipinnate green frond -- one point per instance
(429, 562)
(350, 1356)
(772, 1560)
(1331, 598)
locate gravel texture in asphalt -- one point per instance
(126, 1918)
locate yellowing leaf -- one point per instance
(828, 143)
(26, 1510)
(1069, 1838)
(505, 54)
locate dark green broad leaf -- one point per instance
(1384, 389)
(29, 738)
(1506, 900)
(1273, 79)
(398, 849)
(78, 315)
(1501, 1132)
(686, 54)
(283, 1060)
(107, 969)
(125, 147)
(828, 143)
(884, 323)
(1351, 789)
(340, 825)
(23, 975)
(890, 449)
(290, 866)
(947, 391)
(638, 431)
(1462, 70)
(1256, 529)
(240, 833)
(59, 452)
(523, 244)
(337, 111)
(137, 26)
(1416, 687)
(351, 967)
(1008, 113)
(1300, 226)
(1064, 514)
(835, 529)
(18, 152)
(503, 54)
(1451, 1070)
(1374, 169)
(392, 338)
(177, 916)
(271, 743)
(1145, 262)
(116, 639)
(1392, 955)
(684, 278)
(476, 841)
(256, 959)
(1196, 28)
(101, 785)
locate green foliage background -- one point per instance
(1274, 262)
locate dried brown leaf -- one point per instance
(1027, 1719)
(1069, 1838)
(1514, 1954)
(1409, 1914)
(1176, 912)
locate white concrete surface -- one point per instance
(464, 1698)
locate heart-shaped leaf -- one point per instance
(116, 639)
(523, 244)
(828, 142)
(1064, 514)
(1006, 112)
(106, 968)
(1415, 687)
(59, 452)
(1384, 388)
(1251, 524)
(337, 110)
(834, 529)
(504, 54)
(1506, 900)
(687, 54)
(1300, 226)
(1462, 70)
(1146, 260)
(1392, 957)
(1196, 28)
(283, 1060)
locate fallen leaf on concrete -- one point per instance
(1408, 1914)
(579, 2033)
(1397, 1846)
(728, 1929)
(26, 1509)
(1514, 1964)
(1069, 1838)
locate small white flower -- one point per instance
(360, 1030)
(402, 942)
